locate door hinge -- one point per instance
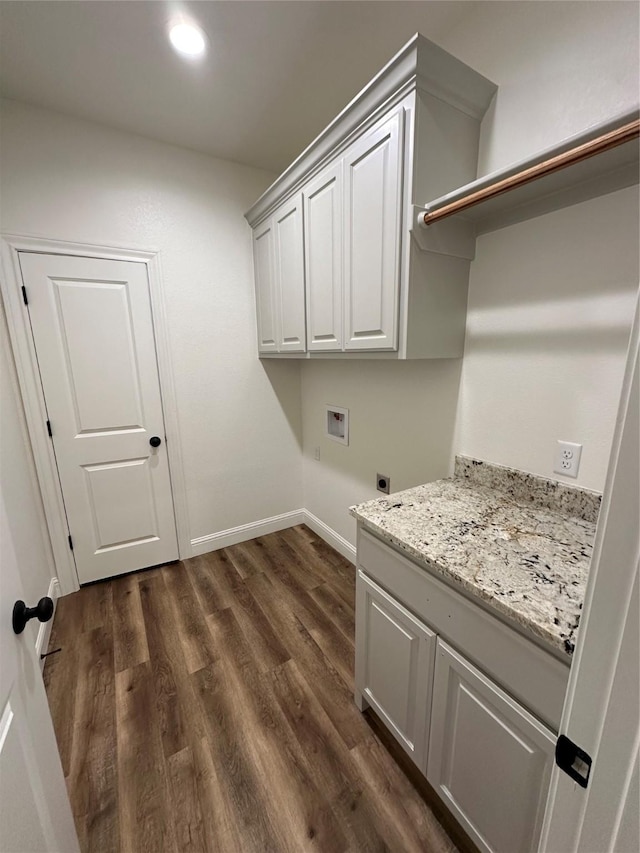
(49, 429)
(575, 762)
(70, 542)
(24, 295)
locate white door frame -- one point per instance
(24, 353)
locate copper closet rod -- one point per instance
(623, 134)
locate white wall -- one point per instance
(549, 305)
(550, 300)
(401, 418)
(550, 308)
(560, 67)
(240, 421)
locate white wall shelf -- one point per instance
(574, 178)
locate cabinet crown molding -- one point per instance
(420, 64)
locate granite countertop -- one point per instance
(522, 544)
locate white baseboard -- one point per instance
(235, 535)
(44, 631)
(342, 545)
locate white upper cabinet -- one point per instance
(289, 276)
(372, 218)
(278, 256)
(371, 288)
(323, 258)
(264, 268)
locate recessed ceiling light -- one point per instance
(187, 39)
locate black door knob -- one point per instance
(21, 613)
(155, 441)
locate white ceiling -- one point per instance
(275, 74)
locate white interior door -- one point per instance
(93, 333)
(35, 815)
(602, 709)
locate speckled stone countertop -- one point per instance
(520, 543)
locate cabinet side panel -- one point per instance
(446, 149)
(438, 289)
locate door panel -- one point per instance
(264, 262)
(17, 786)
(394, 666)
(35, 814)
(489, 758)
(373, 213)
(323, 259)
(93, 332)
(122, 503)
(95, 323)
(290, 296)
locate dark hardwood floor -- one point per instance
(207, 706)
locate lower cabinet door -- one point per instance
(394, 666)
(489, 759)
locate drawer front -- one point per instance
(534, 677)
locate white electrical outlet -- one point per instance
(567, 458)
(316, 454)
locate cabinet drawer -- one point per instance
(489, 759)
(533, 676)
(394, 666)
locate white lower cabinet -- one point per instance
(394, 666)
(488, 758)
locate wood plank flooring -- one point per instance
(206, 706)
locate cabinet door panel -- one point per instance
(289, 276)
(489, 758)
(264, 263)
(394, 666)
(323, 259)
(373, 215)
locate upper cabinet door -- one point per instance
(373, 216)
(289, 276)
(323, 259)
(264, 261)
